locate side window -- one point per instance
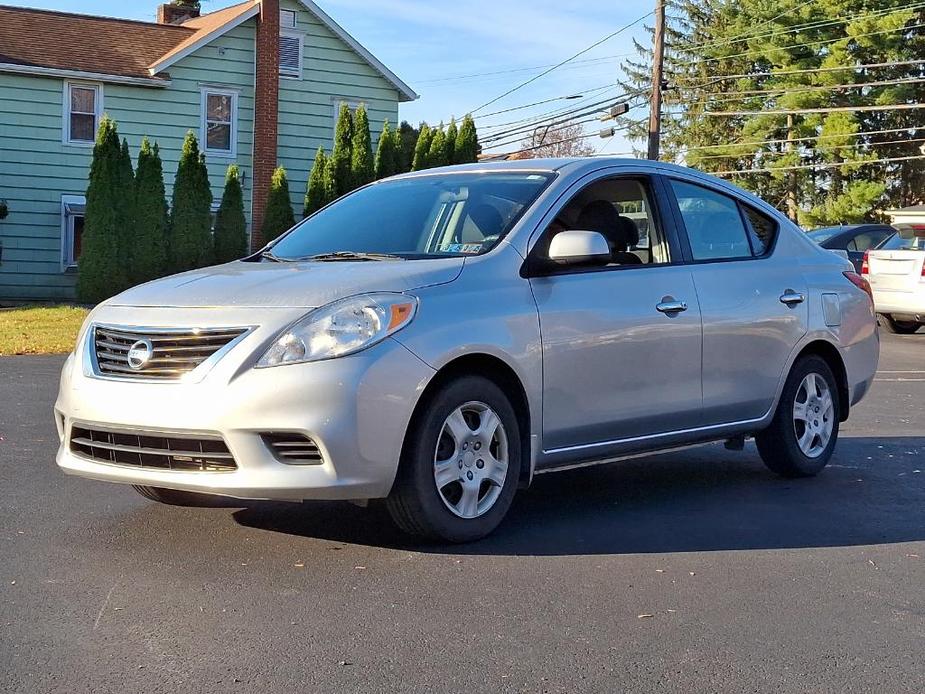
(620, 209)
(868, 239)
(714, 225)
(763, 230)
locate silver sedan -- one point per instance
(439, 338)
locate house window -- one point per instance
(219, 121)
(83, 108)
(73, 208)
(337, 101)
(287, 19)
(290, 54)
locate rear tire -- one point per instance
(460, 464)
(802, 436)
(174, 497)
(898, 327)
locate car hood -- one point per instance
(288, 285)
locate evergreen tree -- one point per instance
(467, 142)
(407, 139)
(342, 156)
(436, 154)
(230, 236)
(386, 155)
(148, 260)
(101, 271)
(422, 149)
(317, 193)
(361, 163)
(278, 216)
(190, 237)
(784, 57)
(452, 133)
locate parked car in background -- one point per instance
(438, 338)
(896, 272)
(855, 239)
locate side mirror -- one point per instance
(574, 247)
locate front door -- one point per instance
(621, 343)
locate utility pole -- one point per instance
(792, 203)
(655, 105)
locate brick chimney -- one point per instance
(172, 13)
(266, 113)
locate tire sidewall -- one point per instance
(419, 457)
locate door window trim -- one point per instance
(684, 239)
(663, 218)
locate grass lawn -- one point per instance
(39, 329)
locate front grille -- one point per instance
(293, 449)
(171, 354)
(151, 450)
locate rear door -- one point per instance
(752, 299)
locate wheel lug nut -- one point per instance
(465, 446)
(478, 445)
(460, 463)
(469, 475)
(480, 464)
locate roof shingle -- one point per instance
(102, 45)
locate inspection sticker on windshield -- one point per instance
(470, 248)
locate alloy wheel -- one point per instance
(813, 415)
(471, 460)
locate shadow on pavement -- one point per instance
(697, 500)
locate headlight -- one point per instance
(341, 328)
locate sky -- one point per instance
(437, 48)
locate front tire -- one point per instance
(174, 497)
(802, 436)
(899, 327)
(460, 465)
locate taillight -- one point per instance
(865, 265)
(860, 283)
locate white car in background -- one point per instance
(896, 272)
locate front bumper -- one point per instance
(355, 408)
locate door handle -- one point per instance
(792, 298)
(671, 306)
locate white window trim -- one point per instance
(67, 230)
(352, 104)
(66, 111)
(288, 13)
(203, 125)
(301, 36)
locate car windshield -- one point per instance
(824, 234)
(427, 216)
(905, 240)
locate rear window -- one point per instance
(905, 240)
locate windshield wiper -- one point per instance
(351, 255)
(269, 255)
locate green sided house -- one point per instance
(260, 83)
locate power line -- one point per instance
(832, 165)
(535, 103)
(803, 139)
(726, 97)
(555, 120)
(775, 73)
(780, 154)
(818, 24)
(558, 65)
(589, 95)
(830, 109)
(752, 53)
(519, 137)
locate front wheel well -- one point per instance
(497, 371)
(829, 352)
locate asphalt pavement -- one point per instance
(696, 571)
